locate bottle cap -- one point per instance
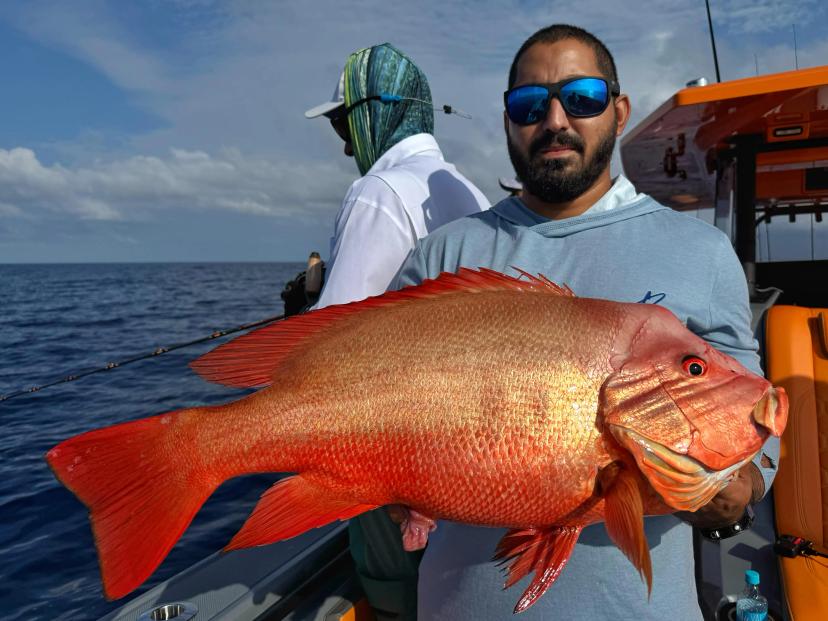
(751, 577)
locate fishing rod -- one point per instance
(713, 41)
(298, 296)
(156, 352)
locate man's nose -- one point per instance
(556, 118)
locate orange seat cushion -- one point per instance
(797, 360)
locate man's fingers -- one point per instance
(415, 529)
(727, 506)
(397, 513)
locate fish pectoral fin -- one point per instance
(289, 508)
(624, 517)
(544, 551)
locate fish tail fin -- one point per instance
(140, 493)
(624, 517)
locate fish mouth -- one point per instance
(683, 482)
(771, 411)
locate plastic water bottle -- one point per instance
(751, 605)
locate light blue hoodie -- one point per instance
(639, 251)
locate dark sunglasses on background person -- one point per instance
(339, 121)
(580, 97)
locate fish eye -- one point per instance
(693, 365)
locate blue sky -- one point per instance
(169, 130)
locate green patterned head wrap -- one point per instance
(376, 126)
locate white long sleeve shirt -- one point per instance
(408, 192)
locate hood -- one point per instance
(514, 211)
(376, 126)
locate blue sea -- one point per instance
(61, 319)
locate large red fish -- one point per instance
(475, 397)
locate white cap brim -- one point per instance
(321, 109)
(510, 183)
(337, 100)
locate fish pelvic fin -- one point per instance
(624, 517)
(252, 360)
(291, 507)
(140, 499)
(543, 551)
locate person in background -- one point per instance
(575, 224)
(407, 189)
(382, 110)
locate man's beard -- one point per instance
(549, 179)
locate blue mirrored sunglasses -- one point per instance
(528, 104)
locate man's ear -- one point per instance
(505, 123)
(622, 113)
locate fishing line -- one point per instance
(389, 98)
(157, 352)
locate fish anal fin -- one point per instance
(289, 508)
(251, 360)
(624, 516)
(543, 551)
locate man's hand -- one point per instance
(726, 507)
(414, 526)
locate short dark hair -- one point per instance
(559, 32)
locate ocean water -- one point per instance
(58, 319)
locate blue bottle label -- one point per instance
(747, 615)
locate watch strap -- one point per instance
(725, 532)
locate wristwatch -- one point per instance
(724, 532)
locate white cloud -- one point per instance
(131, 188)
(762, 16)
(10, 210)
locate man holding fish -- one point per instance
(576, 225)
(488, 395)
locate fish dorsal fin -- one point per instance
(251, 360)
(543, 551)
(624, 517)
